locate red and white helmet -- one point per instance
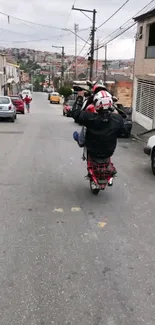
(103, 100)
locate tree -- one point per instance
(38, 82)
(65, 91)
(36, 85)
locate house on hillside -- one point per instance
(144, 71)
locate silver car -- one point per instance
(7, 109)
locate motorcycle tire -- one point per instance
(94, 191)
(153, 163)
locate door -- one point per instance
(145, 103)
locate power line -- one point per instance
(120, 28)
(113, 14)
(80, 53)
(28, 21)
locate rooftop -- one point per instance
(146, 15)
(118, 77)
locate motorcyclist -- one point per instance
(102, 127)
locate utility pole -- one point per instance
(62, 63)
(76, 30)
(91, 58)
(92, 46)
(97, 45)
(49, 77)
(105, 64)
(62, 67)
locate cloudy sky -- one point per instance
(18, 31)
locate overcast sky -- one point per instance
(57, 13)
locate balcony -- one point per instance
(150, 52)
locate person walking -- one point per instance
(27, 101)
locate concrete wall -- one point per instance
(123, 91)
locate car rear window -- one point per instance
(4, 100)
(55, 94)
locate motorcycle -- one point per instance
(101, 172)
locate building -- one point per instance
(13, 78)
(144, 71)
(2, 73)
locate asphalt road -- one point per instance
(67, 257)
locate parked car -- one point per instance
(55, 98)
(67, 107)
(149, 150)
(18, 103)
(49, 95)
(7, 108)
(26, 92)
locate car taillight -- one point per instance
(10, 107)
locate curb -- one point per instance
(136, 137)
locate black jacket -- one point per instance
(102, 130)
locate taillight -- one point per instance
(10, 107)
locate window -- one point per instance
(150, 42)
(4, 100)
(140, 32)
(151, 35)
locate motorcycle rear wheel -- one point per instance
(94, 191)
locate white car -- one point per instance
(26, 92)
(149, 150)
(7, 109)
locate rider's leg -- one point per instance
(79, 138)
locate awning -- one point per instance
(9, 81)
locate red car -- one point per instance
(18, 103)
(67, 107)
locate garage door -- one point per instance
(145, 103)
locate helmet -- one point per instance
(102, 94)
(91, 108)
(103, 103)
(97, 87)
(102, 100)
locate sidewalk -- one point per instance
(138, 130)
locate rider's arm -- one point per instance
(122, 129)
(81, 117)
(78, 104)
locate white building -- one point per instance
(13, 78)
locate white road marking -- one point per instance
(75, 209)
(58, 210)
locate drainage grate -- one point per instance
(11, 132)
